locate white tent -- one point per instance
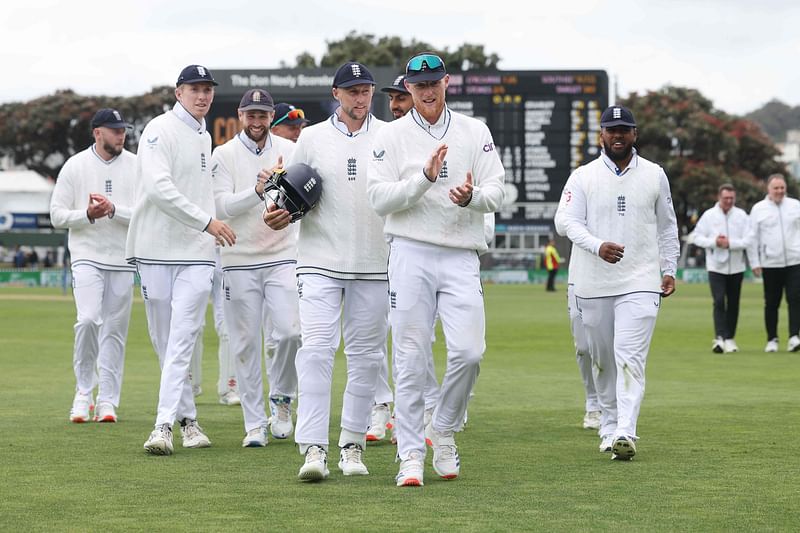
(24, 191)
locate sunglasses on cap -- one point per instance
(424, 62)
(293, 114)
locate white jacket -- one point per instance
(775, 234)
(735, 224)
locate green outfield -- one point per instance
(718, 450)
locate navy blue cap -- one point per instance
(617, 116)
(109, 118)
(195, 74)
(397, 86)
(257, 99)
(352, 73)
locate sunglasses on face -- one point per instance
(293, 114)
(424, 62)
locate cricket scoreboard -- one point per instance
(544, 123)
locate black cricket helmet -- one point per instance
(298, 187)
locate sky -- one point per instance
(739, 54)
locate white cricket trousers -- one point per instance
(582, 355)
(362, 308)
(619, 330)
(103, 301)
(175, 301)
(246, 294)
(422, 277)
(384, 394)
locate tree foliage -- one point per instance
(43, 133)
(776, 118)
(701, 148)
(391, 51)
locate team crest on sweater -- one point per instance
(352, 169)
(621, 205)
(443, 172)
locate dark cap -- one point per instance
(284, 115)
(195, 74)
(256, 99)
(352, 73)
(425, 67)
(397, 85)
(109, 118)
(617, 116)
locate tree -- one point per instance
(43, 133)
(392, 52)
(701, 148)
(776, 118)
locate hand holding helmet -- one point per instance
(295, 190)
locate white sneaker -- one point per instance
(316, 466)
(380, 420)
(393, 426)
(606, 443)
(730, 346)
(104, 412)
(623, 449)
(197, 390)
(411, 471)
(350, 462)
(718, 346)
(193, 436)
(794, 344)
(280, 423)
(426, 420)
(230, 398)
(255, 438)
(445, 452)
(591, 420)
(81, 406)
(160, 441)
(772, 346)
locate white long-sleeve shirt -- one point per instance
(234, 168)
(633, 209)
(100, 243)
(342, 237)
(735, 225)
(174, 196)
(415, 207)
(775, 237)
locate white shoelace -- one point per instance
(351, 454)
(315, 453)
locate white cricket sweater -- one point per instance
(174, 195)
(234, 170)
(342, 237)
(775, 237)
(100, 243)
(634, 210)
(419, 209)
(735, 225)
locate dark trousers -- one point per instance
(775, 281)
(725, 290)
(551, 279)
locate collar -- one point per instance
(439, 128)
(100, 158)
(612, 166)
(252, 146)
(188, 119)
(341, 126)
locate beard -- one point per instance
(616, 155)
(256, 138)
(109, 148)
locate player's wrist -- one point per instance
(432, 180)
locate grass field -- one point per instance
(718, 450)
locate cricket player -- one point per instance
(342, 280)
(171, 240)
(617, 211)
(289, 121)
(93, 197)
(434, 174)
(259, 272)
